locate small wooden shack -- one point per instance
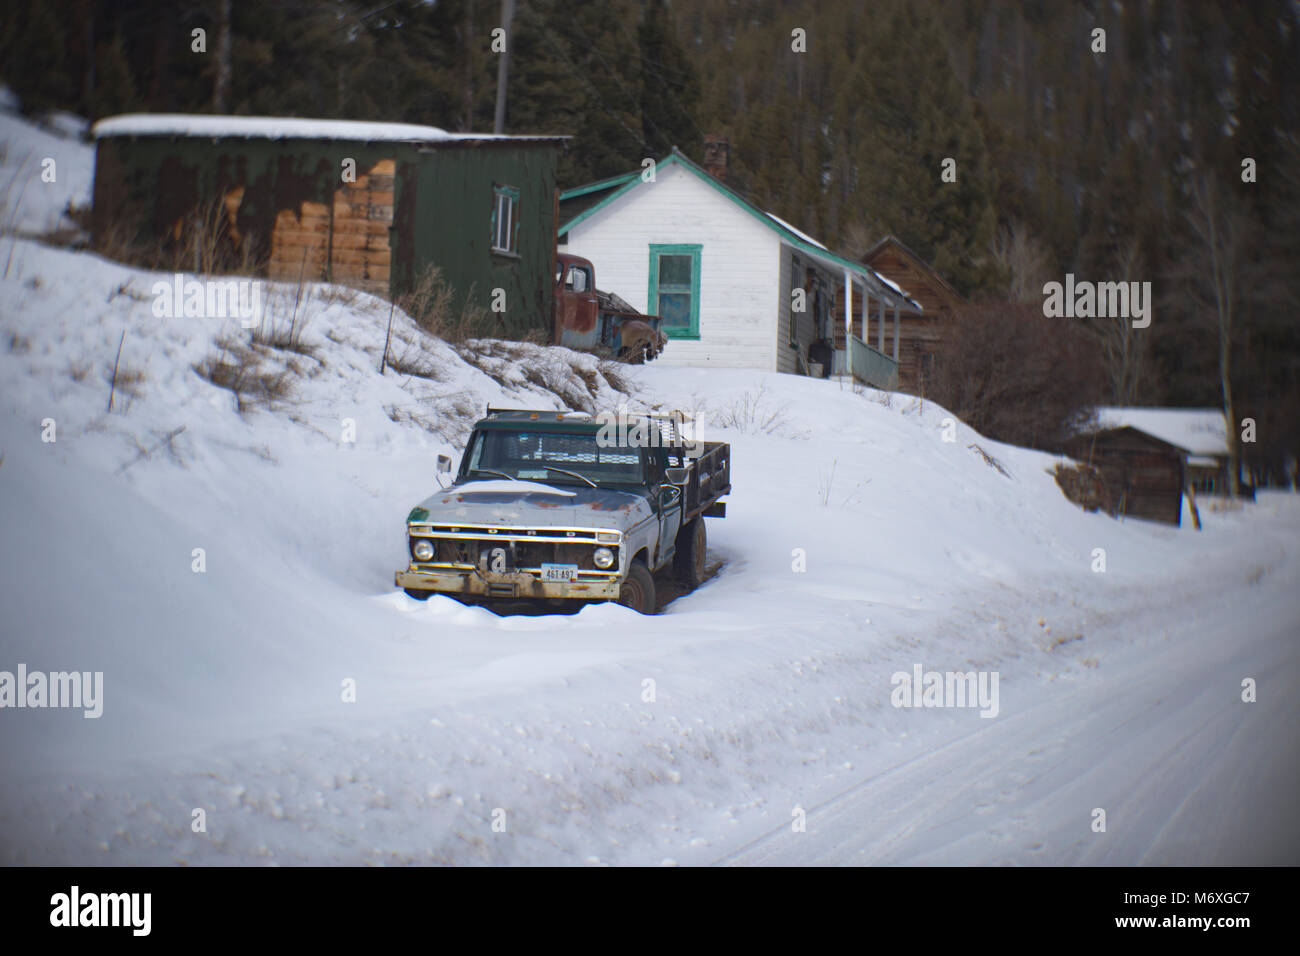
(1200, 432)
(371, 205)
(1144, 474)
(920, 332)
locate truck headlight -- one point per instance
(604, 558)
(422, 549)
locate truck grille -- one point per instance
(525, 554)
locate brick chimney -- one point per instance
(716, 152)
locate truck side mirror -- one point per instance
(669, 495)
(444, 470)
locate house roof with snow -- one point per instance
(1198, 431)
(286, 127)
(582, 202)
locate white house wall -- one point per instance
(739, 265)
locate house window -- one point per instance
(675, 289)
(505, 219)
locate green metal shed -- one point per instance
(370, 205)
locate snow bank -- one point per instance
(35, 192)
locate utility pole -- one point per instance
(503, 66)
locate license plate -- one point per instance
(559, 572)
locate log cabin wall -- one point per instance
(1146, 474)
(919, 336)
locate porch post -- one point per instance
(848, 322)
(866, 313)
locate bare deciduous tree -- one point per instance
(1123, 348)
(1024, 260)
(1223, 273)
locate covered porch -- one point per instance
(839, 296)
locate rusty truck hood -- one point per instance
(546, 507)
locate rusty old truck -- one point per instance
(588, 319)
(567, 507)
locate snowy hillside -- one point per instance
(858, 543)
(42, 169)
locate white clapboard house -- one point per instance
(724, 274)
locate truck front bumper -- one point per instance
(507, 585)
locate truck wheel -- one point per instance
(638, 590)
(692, 543)
(417, 594)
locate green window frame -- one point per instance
(673, 286)
(505, 219)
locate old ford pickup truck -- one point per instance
(563, 506)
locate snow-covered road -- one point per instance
(1187, 773)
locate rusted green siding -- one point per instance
(442, 205)
(151, 181)
(450, 225)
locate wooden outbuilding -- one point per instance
(371, 205)
(1144, 474)
(920, 332)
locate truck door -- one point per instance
(578, 308)
(668, 502)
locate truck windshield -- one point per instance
(525, 455)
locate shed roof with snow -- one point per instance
(1198, 431)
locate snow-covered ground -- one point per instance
(858, 544)
(42, 169)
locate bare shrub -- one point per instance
(285, 332)
(431, 305)
(124, 380)
(239, 368)
(1015, 375)
(750, 412)
(615, 376)
(508, 362)
(204, 241)
(414, 360)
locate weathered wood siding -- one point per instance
(740, 267)
(919, 336)
(1145, 474)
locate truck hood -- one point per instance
(533, 504)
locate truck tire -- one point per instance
(692, 544)
(638, 590)
(418, 594)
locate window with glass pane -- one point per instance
(675, 288)
(505, 225)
